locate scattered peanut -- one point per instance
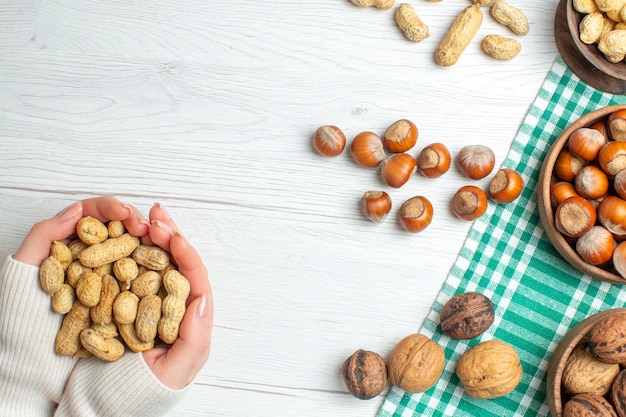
(459, 36)
(410, 23)
(500, 47)
(379, 4)
(510, 16)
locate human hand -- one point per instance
(177, 365)
(36, 245)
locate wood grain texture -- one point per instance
(209, 108)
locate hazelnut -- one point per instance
(365, 374)
(466, 315)
(607, 339)
(416, 363)
(583, 405)
(329, 140)
(584, 373)
(490, 369)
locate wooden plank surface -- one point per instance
(209, 107)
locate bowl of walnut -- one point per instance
(597, 31)
(581, 194)
(584, 376)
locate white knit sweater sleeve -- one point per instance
(32, 376)
(126, 387)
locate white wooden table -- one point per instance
(209, 107)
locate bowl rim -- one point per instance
(562, 352)
(545, 205)
(591, 52)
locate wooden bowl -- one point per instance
(573, 338)
(591, 52)
(545, 205)
(586, 61)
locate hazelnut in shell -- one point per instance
(416, 363)
(476, 161)
(466, 315)
(365, 374)
(489, 370)
(400, 136)
(329, 140)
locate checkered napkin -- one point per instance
(537, 295)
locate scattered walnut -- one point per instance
(365, 374)
(490, 369)
(416, 363)
(466, 315)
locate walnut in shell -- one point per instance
(618, 393)
(365, 374)
(607, 339)
(588, 405)
(585, 374)
(466, 315)
(490, 369)
(416, 363)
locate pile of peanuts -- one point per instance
(397, 166)
(603, 24)
(463, 29)
(113, 291)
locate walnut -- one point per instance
(588, 405)
(365, 374)
(618, 393)
(416, 363)
(466, 315)
(585, 374)
(490, 369)
(607, 339)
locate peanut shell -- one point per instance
(109, 251)
(91, 230)
(106, 349)
(459, 36)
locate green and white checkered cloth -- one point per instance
(537, 295)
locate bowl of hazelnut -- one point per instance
(581, 194)
(584, 376)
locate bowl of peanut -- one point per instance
(581, 194)
(583, 377)
(599, 42)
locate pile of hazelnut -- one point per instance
(397, 166)
(489, 369)
(593, 381)
(588, 192)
